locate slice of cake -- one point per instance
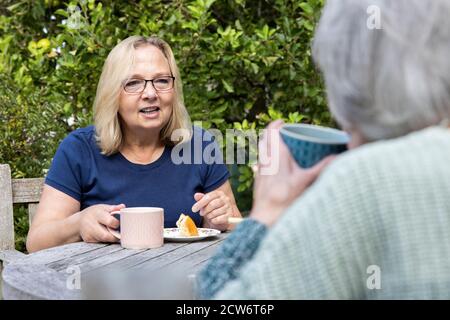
(187, 226)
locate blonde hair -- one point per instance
(109, 134)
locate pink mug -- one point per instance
(140, 227)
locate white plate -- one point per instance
(172, 234)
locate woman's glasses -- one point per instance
(159, 84)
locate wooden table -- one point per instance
(45, 274)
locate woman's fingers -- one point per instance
(204, 201)
(215, 207)
(277, 124)
(96, 219)
(317, 169)
(198, 196)
(270, 150)
(111, 208)
(212, 205)
(98, 228)
(103, 235)
(106, 219)
(310, 175)
(95, 232)
(220, 220)
(223, 210)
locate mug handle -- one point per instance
(115, 233)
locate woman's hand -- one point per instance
(215, 207)
(277, 188)
(94, 221)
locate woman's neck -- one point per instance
(142, 149)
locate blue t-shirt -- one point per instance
(80, 170)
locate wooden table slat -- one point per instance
(174, 255)
(84, 257)
(62, 252)
(132, 260)
(107, 260)
(190, 261)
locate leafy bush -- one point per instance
(243, 64)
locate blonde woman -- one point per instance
(126, 158)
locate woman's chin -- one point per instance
(151, 124)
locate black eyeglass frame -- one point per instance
(153, 85)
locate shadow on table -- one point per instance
(143, 284)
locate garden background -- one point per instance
(242, 63)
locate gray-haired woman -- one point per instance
(376, 223)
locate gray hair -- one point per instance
(389, 81)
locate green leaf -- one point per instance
(307, 8)
(14, 6)
(274, 114)
(67, 107)
(219, 110)
(228, 87)
(255, 68)
(308, 25)
(171, 20)
(62, 12)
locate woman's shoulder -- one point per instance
(402, 153)
(79, 138)
(84, 132)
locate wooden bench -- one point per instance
(25, 191)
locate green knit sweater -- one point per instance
(375, 225)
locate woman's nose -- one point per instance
(149, 91)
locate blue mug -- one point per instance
(309, 144)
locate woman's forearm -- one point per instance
(55, 233)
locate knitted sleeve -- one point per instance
(236, 250)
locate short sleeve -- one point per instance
(214, 171)
(65, 173)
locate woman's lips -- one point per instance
(150, 112)
(149, 109)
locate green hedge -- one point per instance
(243, 64)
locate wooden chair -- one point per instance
(12, 191)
